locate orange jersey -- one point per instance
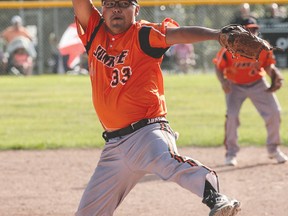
(242, 70)
(127, 82)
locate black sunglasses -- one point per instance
(121, 4)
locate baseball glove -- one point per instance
(238, 40)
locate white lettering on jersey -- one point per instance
(110, 61)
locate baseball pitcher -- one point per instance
(128, 96)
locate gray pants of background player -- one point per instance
(266, 104)
(125, 160)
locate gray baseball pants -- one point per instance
(124, 161)
(267, 106)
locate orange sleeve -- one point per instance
(219, 59)
(157, 37)
(267, 57)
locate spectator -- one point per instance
(184, 57)
(20, 52)
(272, 11)
(54, 61)
(243, 78)
(15, 30)
(283, 13)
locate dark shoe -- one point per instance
(221, 205)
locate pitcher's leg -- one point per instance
(109, 185)
(159, 155)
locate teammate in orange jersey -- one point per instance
(243, 78)
(124, 58)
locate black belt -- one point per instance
(131, 128)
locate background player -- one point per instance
(128, 95)
(243, 78)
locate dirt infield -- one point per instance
(51, 182)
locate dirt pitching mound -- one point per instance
(51, 182)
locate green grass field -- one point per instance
(56, 111)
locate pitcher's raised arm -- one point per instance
(83, 10)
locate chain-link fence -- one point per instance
(44, 21)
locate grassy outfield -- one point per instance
(53, 111)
